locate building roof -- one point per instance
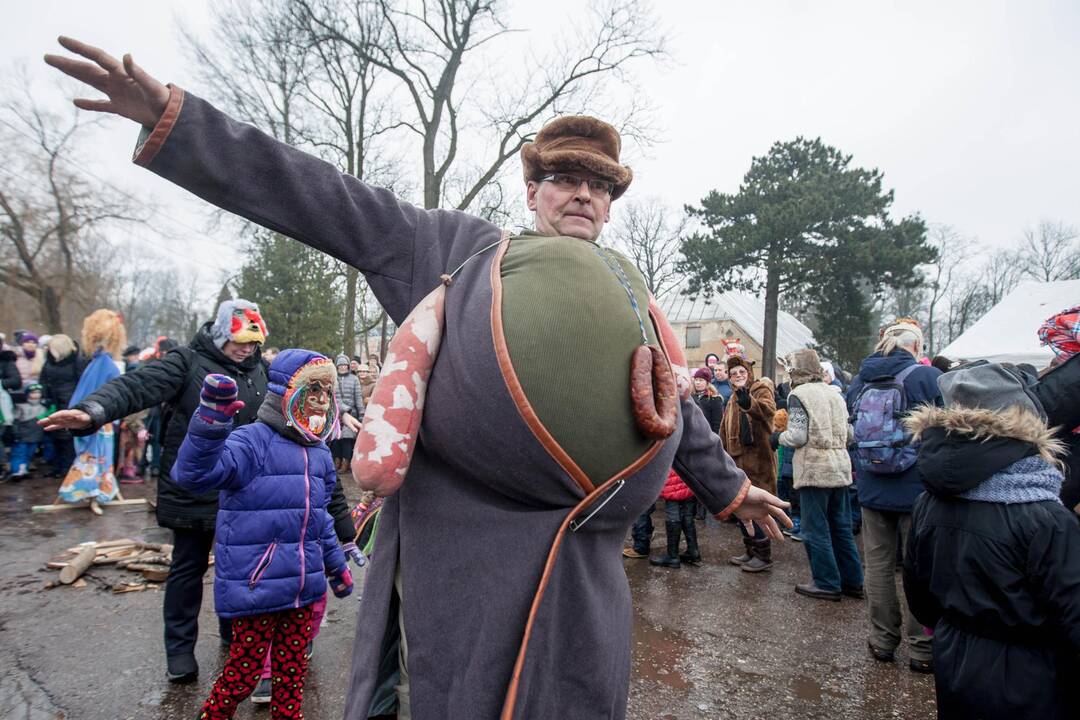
(1008, 331)
(744, 309)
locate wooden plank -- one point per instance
(79, 506)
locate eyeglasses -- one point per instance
(564, 181)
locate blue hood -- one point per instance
(285, 366)
(878, 365)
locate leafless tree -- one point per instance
(650, 234)
(1050, 251)
(50, 216)
(432, 50)
(1000, 274)
(941, 276)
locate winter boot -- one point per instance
(670, 560)
(692, 554)
(762, 560)
(746, 556)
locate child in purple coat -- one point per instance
(275, 548)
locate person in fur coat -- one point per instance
(819, 432)
(747, 434)
(992, 562)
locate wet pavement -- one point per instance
(709, 641)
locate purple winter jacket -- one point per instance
(273, 501)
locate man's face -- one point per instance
(238, 352)
(720, 371)
(578, 212)
(354, 366)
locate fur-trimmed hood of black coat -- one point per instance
(961, 447)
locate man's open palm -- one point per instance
(131, 91)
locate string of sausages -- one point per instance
(653, 393)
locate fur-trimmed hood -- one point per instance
(961, 448)
(978, 424)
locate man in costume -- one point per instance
(529, 616)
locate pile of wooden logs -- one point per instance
(152, 560)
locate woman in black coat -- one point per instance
(176, 380)
(64, 365)
(992, 560)
(708, 399)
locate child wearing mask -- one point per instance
(276, 550)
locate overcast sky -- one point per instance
(970, 109)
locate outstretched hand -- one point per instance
(765, 509)
(132, 92)
(65, 420)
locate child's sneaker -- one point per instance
(262, 692)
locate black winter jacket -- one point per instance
(9, 372)
(712, 406)
(998, 583)
(1059, 392)
(59, 378)
(176, 380)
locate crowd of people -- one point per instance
(964, 474)
(499, 335)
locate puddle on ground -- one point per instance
(656, 652)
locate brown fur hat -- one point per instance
(803, 366)
(577, 143)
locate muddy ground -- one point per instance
(709, 641)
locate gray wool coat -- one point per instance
(509, 612)
(350, 397)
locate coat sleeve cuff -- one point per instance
(734, 504)
(150, 144)
(97, 417)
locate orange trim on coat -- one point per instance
(160, 133)
(734, 504)
(510, 378)
(519, 665)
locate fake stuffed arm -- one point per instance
(245, 171)
(705, 466)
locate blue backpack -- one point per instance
(882, 443)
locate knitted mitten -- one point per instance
(217, 401)
(353, 553)
(341, 582)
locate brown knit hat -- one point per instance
(803, 366)
(577, 143)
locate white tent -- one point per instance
(1008, 332)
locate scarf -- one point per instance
(1029, 480)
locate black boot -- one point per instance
(762, 560)
(670, 560)
(693, 553)
(746, 556)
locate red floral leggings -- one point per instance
(289, 632)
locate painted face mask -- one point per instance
(309, 403)
(239, 321)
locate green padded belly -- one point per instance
(570, 332)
